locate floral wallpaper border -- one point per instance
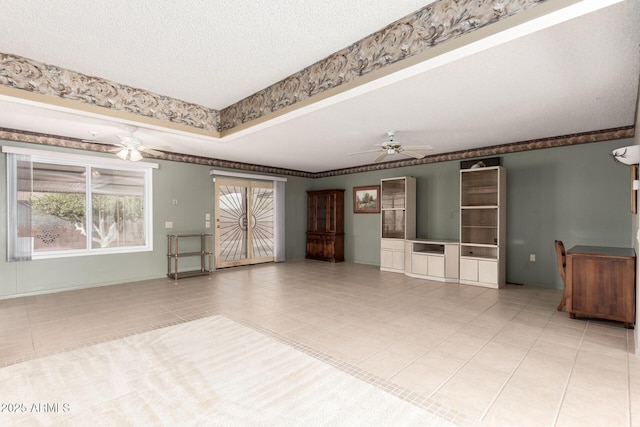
(537, 144)
(416, 33)
(34, 76)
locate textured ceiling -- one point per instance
(212, 53)
(577, 76)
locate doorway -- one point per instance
(244, 216)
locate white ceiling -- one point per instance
(578, 76)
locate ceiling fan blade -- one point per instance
(160, 148)
(150, 151)
(381, 157)
(363, 152)
(418, 147)
(100, 141)
(129, 129)
(116, 148)
(412, 154)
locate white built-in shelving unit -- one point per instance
(482, 226)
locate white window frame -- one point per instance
(62, 158)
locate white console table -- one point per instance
(432, 259)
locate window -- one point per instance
(65, 205)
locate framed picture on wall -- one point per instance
(366, 199)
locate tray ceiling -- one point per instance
(577, 76)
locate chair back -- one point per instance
(562, 258)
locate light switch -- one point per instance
(207, 217)
(207, 224)
(168, 224)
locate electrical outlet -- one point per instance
(174, 202)
(168, 224)
(207, 224)
(207, 217)
(532, 257)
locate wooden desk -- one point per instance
(601, 283)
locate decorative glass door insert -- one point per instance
(244, 215)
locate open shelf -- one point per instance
(185, 274)
(428, 248)
(195, 248)
(479, 252)
(479, 227)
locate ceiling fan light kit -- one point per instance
(129, 154)
(134, 155)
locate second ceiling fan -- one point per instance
(392, 147)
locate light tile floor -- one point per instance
(500, 357)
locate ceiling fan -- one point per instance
(392, 146)
(129, 146)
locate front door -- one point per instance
(244, 222)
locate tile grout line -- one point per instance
(478, 351)
(479, 420)
(516, 367)
(76, 346)
(426, 403)
(432, 348)
(573, 365)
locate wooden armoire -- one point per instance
(325, 225)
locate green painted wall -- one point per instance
(436, 211)
(577, 194)
(583, 199)
(191, 185)
(185, 183)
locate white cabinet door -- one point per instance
(392, 259)
(436, 266)
(452, 261)
(398, 260)
(488, 271)
(468, 269)
(419, 264)
(386, 259)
